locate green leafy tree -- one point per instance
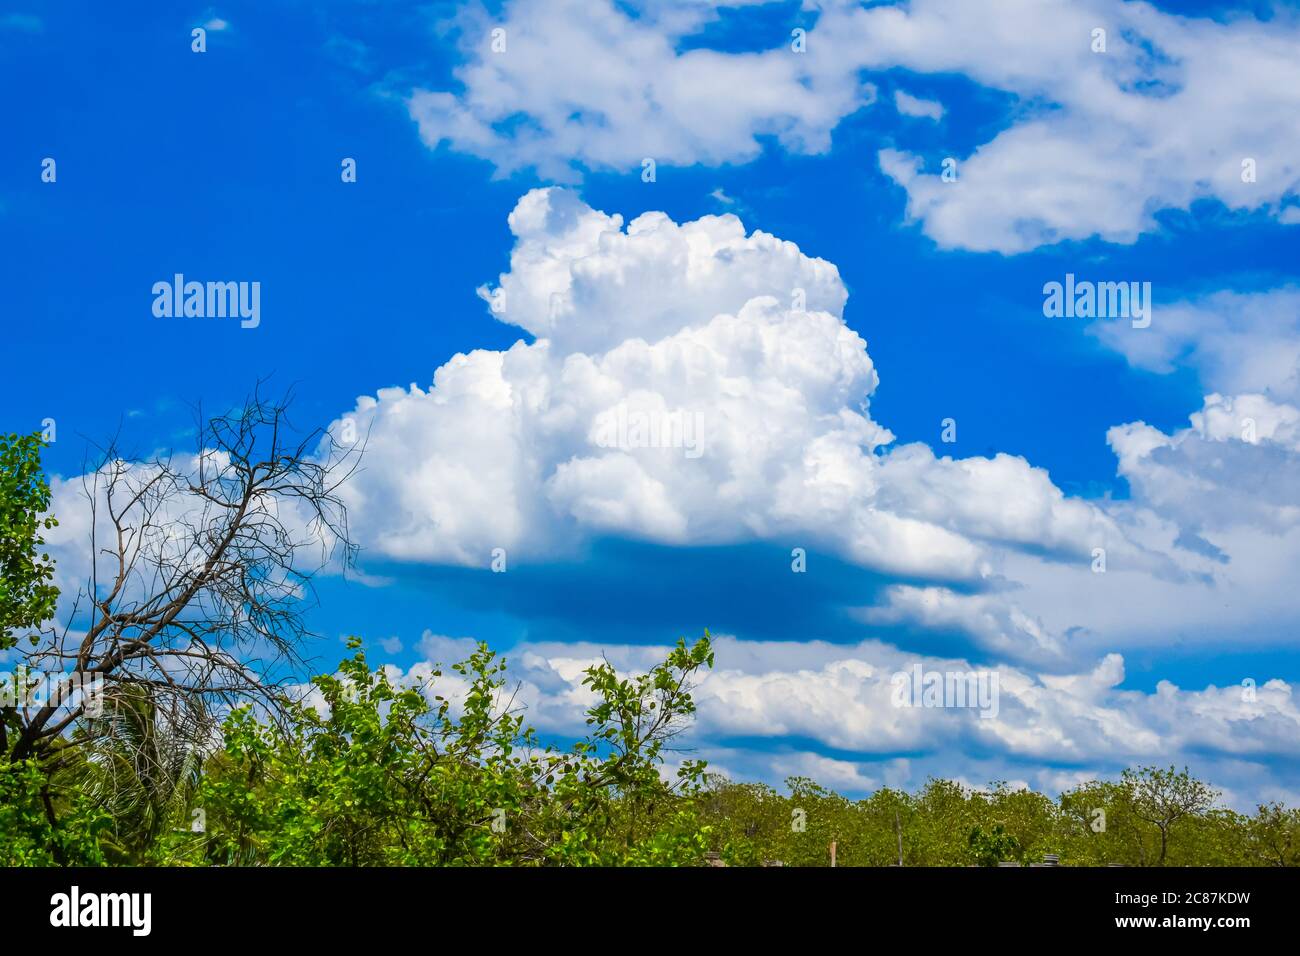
(44, 824)
(27, 592)
(379, 774)
(1098, 826)
(30, 830)
(1273, 835)
(1163, 798)
(1027, 817)
(891, 819)
(993, 846)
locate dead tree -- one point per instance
(201, 570)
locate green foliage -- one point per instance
(41, 825)
(27, 596)
(946, 824)
(385, 775)
(992, 847)
(1273, 834)
(1162, 798)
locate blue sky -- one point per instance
(225, 165)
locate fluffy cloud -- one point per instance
(681, 391)
(1237, 342)
(848, 703)
(1098, 142)
(1238, 463)
(999, 626)
(690, 384)
(1166, 115)
(578, 279)
(597, 86)
(1220, 499)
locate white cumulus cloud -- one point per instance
(689, 384)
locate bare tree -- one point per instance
(201, 567)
